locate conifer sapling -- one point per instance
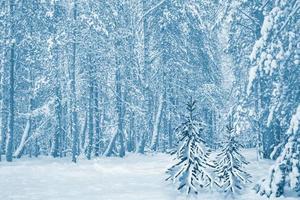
(229, 165)
(190, 171)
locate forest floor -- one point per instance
(135, 177)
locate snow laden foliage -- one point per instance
(284, 175)
(229, 164)
(239, 23)
(273, 83)
(191, 169)
(86, 78)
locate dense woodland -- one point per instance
(103, 78)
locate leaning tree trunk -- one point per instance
(120, 112)
(156, 126)
(143, 140)
(19, 152)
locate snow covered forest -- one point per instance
(109, 95)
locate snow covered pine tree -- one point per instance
(190, 171)
(285, 173)
(229, 165)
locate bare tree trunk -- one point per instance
(73, 104)
(120, 111)
(98, 135)
(11, 114)
(91, 113)
(3, 111)
(156, 127)
(83, 133)
(57, 139)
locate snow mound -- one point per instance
(135, 177)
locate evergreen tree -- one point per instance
(273, 82)
(190, 171)
(285, 173)
(229, 165)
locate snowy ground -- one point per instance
(136, 177)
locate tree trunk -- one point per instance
(98, 135)
(11, 114)
(156, 127)
(91, 114)
(3, 111)
(144, 137)
(83, 133)
(130, 135)
(73, 103)
(111, 146)
(18, 153)
(57, 138)
(120, 111)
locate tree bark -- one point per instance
(11, 114)
(73, 103)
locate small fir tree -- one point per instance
(229, 165)
(190, 171)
